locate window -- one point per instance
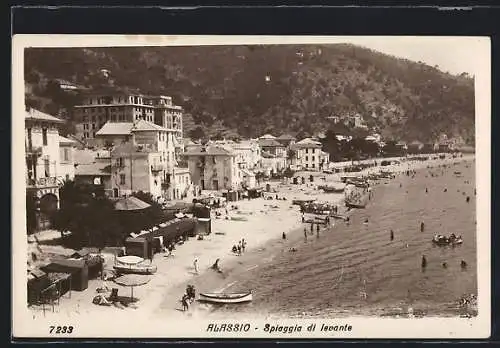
(313, 158)
(120, 162)
(307, 158)
(66, 155)
(93, 125)
(46, 164)
(312, 165)
(44, 135)
(307, 165)
(122, 179)
(30, 144)
(307, 150)
(314, 150)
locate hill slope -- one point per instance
(251, 90)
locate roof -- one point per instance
(115, 128)
(64, 265)
(131, 203)
(286, 137)
(210, 150)
(267, 136)
(36, 115)
(307, 143)
(63, 140)
(84, 156)
(143, 125)
(93, 169)
(269, 143)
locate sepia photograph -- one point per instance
(269, 187)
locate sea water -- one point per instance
(355, 268)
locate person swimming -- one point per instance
(445, 265)
(216, 266)
(283, 235)
(392, 235)
(424, 261)
(422, 226)
(463, 264)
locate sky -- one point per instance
(452, 54)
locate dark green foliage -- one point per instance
(93, 220)
(251, 90)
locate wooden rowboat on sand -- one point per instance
(226, 298)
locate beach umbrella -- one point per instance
(130, 203)
(132, 280)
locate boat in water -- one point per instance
(222, 298)
(332, 188)
(357, 198)
(441, 240)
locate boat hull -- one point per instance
(225, 298)
(135, 270)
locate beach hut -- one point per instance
(137, 247)
(76, 269)
(37, 281)
(204, 226)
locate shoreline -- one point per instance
(160, 298)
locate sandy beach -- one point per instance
(266, 221)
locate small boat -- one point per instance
(302, 201)
(443, 241)
(226, 298)
(135, 269)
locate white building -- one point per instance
(66, 159)
(308, 155)
(43, 167)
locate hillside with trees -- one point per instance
(231, 91)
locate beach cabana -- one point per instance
(77, 269)
(37, 281)
(137, 247)
(132, 280)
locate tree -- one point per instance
(288, 173)
(197, 133)
(259, 176)
(290, 155)
(30, 212)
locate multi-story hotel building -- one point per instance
(46, 165)
(99, 108)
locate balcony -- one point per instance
(42, 182)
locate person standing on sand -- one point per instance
(243, 245)
(185, 304)
(195, 264)
(422, 226)
(424, 262)
(305, 234)
(317, 229)
(392, 235)
(283, 236)
(312, 227)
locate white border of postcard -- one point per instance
(24, 325)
